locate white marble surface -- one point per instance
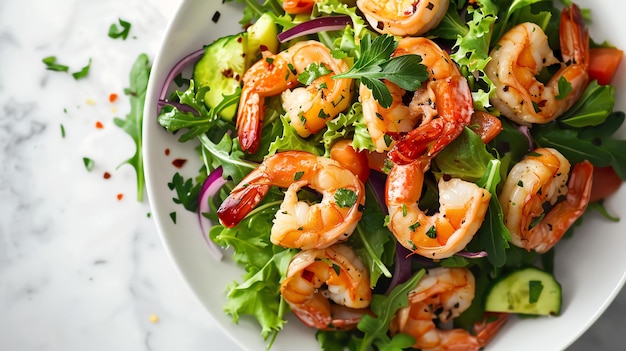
(80, 269)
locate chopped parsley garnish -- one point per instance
(117, 33)
(89, 163)
(298, 175)
(431, 232)
(83, 71)
(312, 72)
(534, 290)
(52, 65)
(345, 197)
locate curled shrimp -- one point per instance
(541, 179)
(298, 224)
(521, 54)
(308, 107)
(316, 276)
(403, 17)
(443, 294)
(461, 212)
(433, 115)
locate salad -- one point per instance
(369, 181)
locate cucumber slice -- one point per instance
(263, 34)
(220, 68)
(528, 290)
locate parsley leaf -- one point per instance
(132, 124)
(345, 197)
(89, 164)
(52, 65)
(376, 63)
(83, 72)
(116, 33)
(312, 72)
(186, 192)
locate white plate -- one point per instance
(591, 266)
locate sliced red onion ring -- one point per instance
(322, 24)
(210, 187)
(176, 70)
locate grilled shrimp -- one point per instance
(436, 114)
(316, 276)
(308, 107)
(298, 224)
(541, 179)
(403, 17)
(463, 206)
(521, 54)
(443, 294)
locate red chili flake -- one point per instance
(167, 152)
(99, 125)
(120, 196)
(107, 175)
(179, 162)
(112, 97)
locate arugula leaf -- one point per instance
(493, 235)
(385, 307)
(593, 143)
(116, 33)
(592, 108)
(465, 157)
(132, 124)
(372, 241)
(173, 118)
(228, 154)
(258, 293)
(376, 63)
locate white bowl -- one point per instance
(591, 267)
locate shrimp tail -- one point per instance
(486, 329)
(242, 200)
(455, 107)
(574, 36)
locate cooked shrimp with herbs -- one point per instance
(390, 160)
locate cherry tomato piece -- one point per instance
(603, 63)
(605, 183)
(486, 125)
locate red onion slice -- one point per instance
(315, 25)
(175, 71)
(210, 187)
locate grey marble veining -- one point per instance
(80, 269)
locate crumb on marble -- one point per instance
(90, 102)
(154, 318)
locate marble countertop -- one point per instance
(81, 264)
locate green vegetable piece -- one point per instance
(527, 290)
(117, 33)
(345, 197)
(52, 65)
(262, 35)
(139, 74)
(83, 71)
(220, 69)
